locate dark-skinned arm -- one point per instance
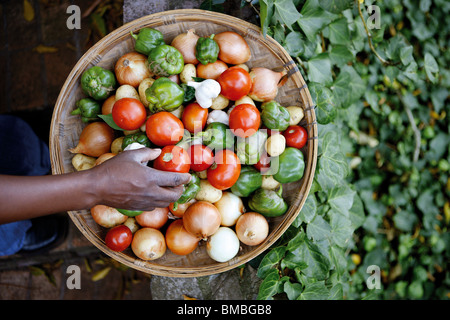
(122, 181)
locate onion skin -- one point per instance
(185, 43)
(131, 69)
(148, 244)
(202, 219)
(233, 49)
(181, 209)
(155, 219)
(95, 140)
(266, 83)
(252, 228)
(107, 217)
(178, 240)
(108, 105)
(103, 158)
(223, 245)
(230, 207)
(211, 70)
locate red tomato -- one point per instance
(264, 163)
(194, 117)
(173, 158)
(235, 83)
(201, 156)
(129, 113)
(119, 238)
(244, 120)
(225, 171)
(296, 136)
(164, 129)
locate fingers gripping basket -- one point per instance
(266, 52)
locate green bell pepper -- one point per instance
(269, 203)
(217, 136)
(88, 109)
(206, 50)
(165, 60)
(190, 190)
(275, 116)
(164, 95)
(98, 83)
(139, 137)
(147, 39)
(249, 149)
(291, 166)
(249, 180)
(130, 213)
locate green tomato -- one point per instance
(370, 243)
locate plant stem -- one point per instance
(369, 36)
(417, 135)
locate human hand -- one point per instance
(125, 182)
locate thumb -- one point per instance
(145, 154)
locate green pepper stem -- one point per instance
(76, 111)
(135, 36)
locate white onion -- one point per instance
(230, 207)
(223, 245)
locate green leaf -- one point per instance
(348, 87)
(314, 291)
(338, 32)
(318, 229)
(341, 230)
(313, 19)
(294, 44)
(266, 13)
(322, 97)
(270, 260)
(309, 209)
(109, 120)
(332, 165)
(309, 254)
(341, 55)
(406, 55)
(431, 67)
(319, 69)
(285, 12)
(335, 6)
(292, 290)
(213, 5)
(269, 286)
(340, 199)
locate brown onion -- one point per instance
(185, 43)
(181, 208)
(252, 228)
(233, 48)
(153, 219)
(148, 244)
(178, 240)
(104, 157)
(108, 105)
(211, 70)
(95, 140)
(266, 83)
(131, 69)
(107, 217)
(202, 219)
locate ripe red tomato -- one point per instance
(164, 129)
(296, 136)
(119, 238)
(235, 83)
(264, 163)
(173, 158)
(194, 117)
(225, 170)
(129, 113)
(201, 156)
(244, 120)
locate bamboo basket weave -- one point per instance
(265, 51)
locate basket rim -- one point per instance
(149, 266)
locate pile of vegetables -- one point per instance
(214, 118)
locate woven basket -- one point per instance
(266, 52)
